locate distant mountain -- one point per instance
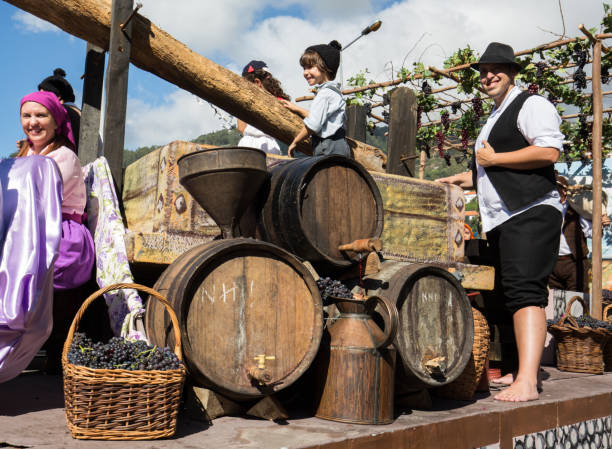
(436, 167)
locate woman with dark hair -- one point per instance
(257, 73)
(58, 84)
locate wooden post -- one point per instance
(116, 87)
(422, 162)
(596, 304)
(92, 103)
(356, 117)
(402, 132)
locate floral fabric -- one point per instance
(106, 225)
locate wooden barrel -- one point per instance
(436, 328)
(250, 314)
(316, 204)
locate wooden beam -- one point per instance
(596, 304)
(356, 117)
(402, 131)
(116, 87)
(92, 104)
(554, 44)
(157, 52)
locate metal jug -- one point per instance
(356, 367)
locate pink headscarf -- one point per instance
(57, 110)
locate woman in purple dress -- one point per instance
(48, 131)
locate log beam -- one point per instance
(158, 52)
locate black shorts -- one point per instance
(525, 250)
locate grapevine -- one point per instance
(451, 122)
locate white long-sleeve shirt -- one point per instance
(327, 111)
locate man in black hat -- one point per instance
(513, 174)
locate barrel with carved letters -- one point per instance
(250, 315)
(436, 328)
(316, 204)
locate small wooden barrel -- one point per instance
(250, 314)
(436, 327)
(316, 204)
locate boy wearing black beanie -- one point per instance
(324, 122)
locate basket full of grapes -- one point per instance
(580, 340)
(607, 316)
(121, 390)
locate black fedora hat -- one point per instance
(497, 53)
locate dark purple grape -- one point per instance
(440, 142)
(444, 118)
(477, 106)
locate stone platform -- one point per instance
(572, 406)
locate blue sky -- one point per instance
(235, 31)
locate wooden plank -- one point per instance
(92, 104)
(116, 87)
(423, 219)
(356, 116)
(402, 131)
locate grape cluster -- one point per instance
(586, 321)
(455, 106)
(533, 88)
(444, 118)
(330, 287)
(447, 158)
(553, 99)
(606, 294)
(477, 106)
(541, 67)
(583, 130)
(419, 112)
(605, 75)
(426, 88)
(580, 56)
(120, 354)
(579, 78)
(440, 142)
(464, 138)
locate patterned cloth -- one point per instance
(106, 225)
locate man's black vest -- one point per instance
(516, 188)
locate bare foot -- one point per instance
(519, 391)
(508, 379)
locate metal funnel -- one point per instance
(224, 181)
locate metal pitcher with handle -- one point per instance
(356, 365)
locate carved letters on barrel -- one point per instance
(250, 316)
(436, 328)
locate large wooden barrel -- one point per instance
(250, 314)
(436, 328)
(316, 204)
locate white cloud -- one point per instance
(31, 23)
(182, 116)
(411, 29)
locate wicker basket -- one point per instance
(607, 354)
(579, 349)
(465, 385)
(118, 404)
